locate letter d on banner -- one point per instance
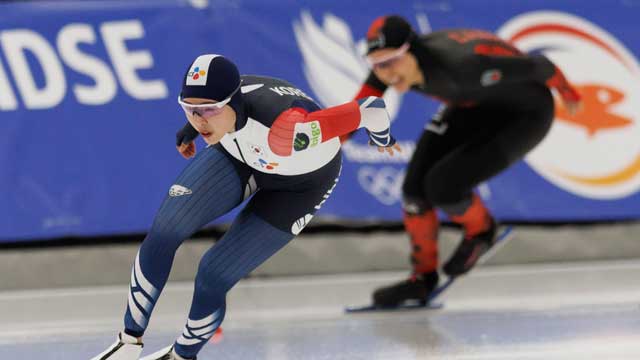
(15, 43)
(7, 98)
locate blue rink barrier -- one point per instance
(88, 111)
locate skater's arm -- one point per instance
(323, 125)
(371, 87)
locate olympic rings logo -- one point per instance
(384, 183)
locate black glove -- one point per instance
(186, 135)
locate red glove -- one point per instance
(571, 98)
(560, 83)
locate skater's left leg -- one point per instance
(269, 221)
(452, 181)
(248, 243)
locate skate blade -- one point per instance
(402, 307)
(505, 234)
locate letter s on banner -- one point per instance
(106, 87)
(126, 62)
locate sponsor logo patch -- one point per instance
(179, 190)
(196, 73)
(301, 142)
(490, 77)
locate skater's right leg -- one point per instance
(441, 137)
(422, 229)
(420, 219)
(210, 186)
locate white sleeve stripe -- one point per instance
(368, 101)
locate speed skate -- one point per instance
(430, 303)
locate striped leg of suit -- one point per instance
(248, 243)
(208, 187)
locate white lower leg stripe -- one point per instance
(184, 341)
(202, 322)
(142, 300)
(136, 314)
(142, 280)
(197, 331)
(204, 331)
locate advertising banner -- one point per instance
(88, 108)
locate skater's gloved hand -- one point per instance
(384, 141)
(571, 99)
(184, 141)
(570, 96)
(187, 150)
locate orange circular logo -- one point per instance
(596, 152)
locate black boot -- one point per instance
(469, 251)
(417, 288)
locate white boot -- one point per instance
(126, 347)
(165, 354)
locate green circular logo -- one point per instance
(301, 142)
